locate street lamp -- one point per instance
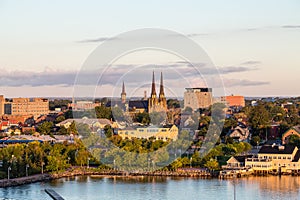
(114, 164)
(8, 170)
(153, 164)
(191, 162)
(27, 165)
(88, 162)
(43, 167)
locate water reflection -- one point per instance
(139, 187)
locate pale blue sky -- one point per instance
(40, 36)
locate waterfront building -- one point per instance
(276, 158)
(196, 98)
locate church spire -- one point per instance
(153, 91)
(123, 88)
(123, 94)
(161, 91)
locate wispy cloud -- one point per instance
(251, 62)
(131, 73)
(95, 40)
(291, 26)
(197, 34)
(243, 82)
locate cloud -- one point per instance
(233, 69)
(95, 40)
(196, 34)
(243, 82)
(251, 62)
(291, 26)
(130, 73)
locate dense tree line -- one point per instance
(41, 157)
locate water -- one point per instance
(146, 188)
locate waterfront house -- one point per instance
(276, 158)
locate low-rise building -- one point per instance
(234, 101)
(295, 130)
(239, 133)
(276, 158)
(100, 123)
(159, 133)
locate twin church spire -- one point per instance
(154, 103)
(161, 88)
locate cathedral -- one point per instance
(157, 104)
(153, 104)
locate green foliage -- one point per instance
(45, 128)
(212, 164)
(157, 118)
(173, 103)
(143, 118)
(294, 140)
(60, 119)
(103, 112)
(36, 155)
(255, 140)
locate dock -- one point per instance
(54, 195)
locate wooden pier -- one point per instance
(54, 195)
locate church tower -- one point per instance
(152, 101)
(162, 99)
(123, 94)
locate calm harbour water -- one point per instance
(146, 188)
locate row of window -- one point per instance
(277, 157)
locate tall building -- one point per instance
(196, 98)
(24, 106)
(2, 102)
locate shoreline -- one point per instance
(4, 183)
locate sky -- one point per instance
(254, 44)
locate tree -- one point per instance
(117, 114)
(103, 112)
(157, 118)
(259, 117)
(45, 128)
(255, 140)
(143, 118)
(72, 129)
(212, 164)
(108, 131)
(294, 140)
(188, 110)
(59, 119)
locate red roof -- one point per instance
(5, 123)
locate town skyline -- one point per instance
(256, 52)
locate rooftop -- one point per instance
(275, 149)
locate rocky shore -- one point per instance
(85, 172)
